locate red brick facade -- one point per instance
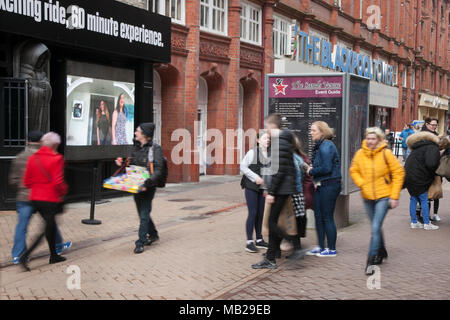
(414, 34)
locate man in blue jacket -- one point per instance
(407, 131)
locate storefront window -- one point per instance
(251, 23)
(100, 105)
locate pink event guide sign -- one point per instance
(306, 87)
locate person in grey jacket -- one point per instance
(144, 149)
(24, 206)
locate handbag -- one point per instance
(286, 219)
(444, 167)
(435, 190)
(59, 205)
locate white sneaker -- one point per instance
(416, 225)
(437, 218)
(430, 226)
(314, 252)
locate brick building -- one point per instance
(221, 51)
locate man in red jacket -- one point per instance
(44, 175)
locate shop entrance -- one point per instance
(157, 101)
(202, 112)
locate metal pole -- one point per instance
(91, 219)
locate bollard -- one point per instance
(91, 219)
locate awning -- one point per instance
(431, 101)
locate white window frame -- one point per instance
(159, 7)
(247, 23)
(211, 7)
(405, 77)
(395, 74)
(280, 35)
(413, 79)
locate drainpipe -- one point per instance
(263, 28)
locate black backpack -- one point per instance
(161, 183)
(164, 172)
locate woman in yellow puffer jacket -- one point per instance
(380, 176)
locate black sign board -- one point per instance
(301, 100)
(103, 25)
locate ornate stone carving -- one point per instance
(213, 49)
(250, 56)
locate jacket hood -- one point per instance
(421, 136)
(380, 147)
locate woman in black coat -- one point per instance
(420, 168)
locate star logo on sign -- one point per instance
(279, 87)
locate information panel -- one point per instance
(301, 100)
(358, 119)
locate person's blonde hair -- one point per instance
(323, 127)
(375, 130)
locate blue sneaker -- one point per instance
(16, 260)
(327, 253)
(314, 252)
(63, 247)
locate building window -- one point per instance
(174, 9)
(251, 23)
(281, 36)
(213, 16)
(395, 75)
(413, 79)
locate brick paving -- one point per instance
(202, 257)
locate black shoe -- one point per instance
(277, 254)
(151, 239)
(297, 254)
(251, 248)
(23, 260)
(265, 264)
(370, 267)
(56, 259)
(139, 249)
(261, 244)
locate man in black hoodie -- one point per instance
(146, 152)
(281, 187)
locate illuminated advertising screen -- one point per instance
(99, 107)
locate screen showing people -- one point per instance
(101, 112)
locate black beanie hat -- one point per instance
(148, 129)
(35, 136)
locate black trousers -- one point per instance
(48, 211)
(276, 234)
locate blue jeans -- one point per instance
(255, 204)
(144, 206)
(423, 199)
(25, 210)
(324, 203)
(406, 153)
(376, 210)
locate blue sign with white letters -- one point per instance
(320, 52)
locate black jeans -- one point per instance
(48, 211)
(255, 204)
(144, 207)
(276, 234)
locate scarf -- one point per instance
(316, 149)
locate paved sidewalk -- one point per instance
(172, 205)
(202, 256)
